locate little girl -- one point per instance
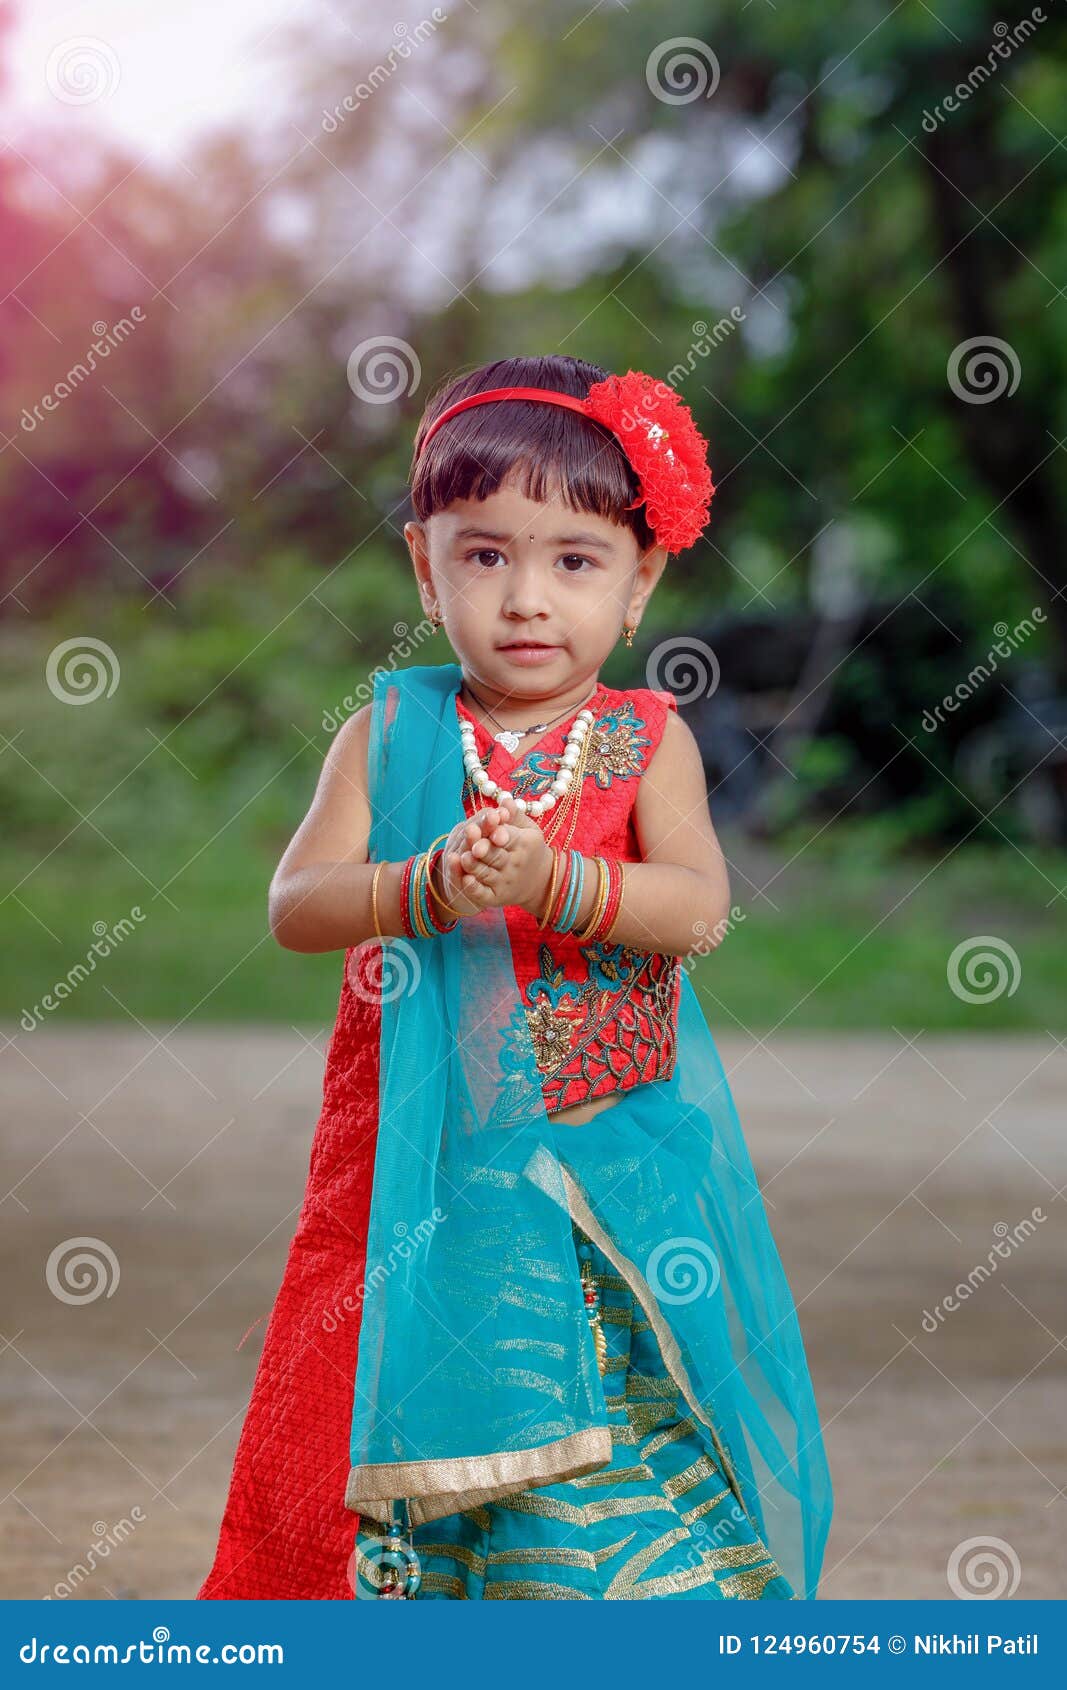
(533, 1338)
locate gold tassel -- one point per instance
(591, 1294)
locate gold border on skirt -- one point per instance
(435, 1489)
(672, 1356)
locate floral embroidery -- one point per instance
(616, 746)
(617, 750)
(619, 1020)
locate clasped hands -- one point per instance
(497, 856)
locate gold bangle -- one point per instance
(439, 901)
(374, 899)
(557, 858)
(599, 902)
(605, 889)
(434, 894)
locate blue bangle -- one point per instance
(573, 903)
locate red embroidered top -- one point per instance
(602, 1017)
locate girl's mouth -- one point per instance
(530, 651)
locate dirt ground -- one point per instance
(890, 1168)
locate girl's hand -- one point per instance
(508, 865)
(482, 833)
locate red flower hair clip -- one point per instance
(655, 428)
(665, 448)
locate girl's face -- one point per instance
(533, 596)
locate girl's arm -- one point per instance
(677, 899)
(320, 896)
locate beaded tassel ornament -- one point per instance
(591, 1298)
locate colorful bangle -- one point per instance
(611, 914)
(434, 921)
(565, 912)
(419, 904)
(418, 912)
(566, 860)
(550, 896)
(405, 902)
(574, 898)
(438, 901)
(608, 901)
(603, 876)
(434, 856)
(564, 896)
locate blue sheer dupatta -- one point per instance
(477, 1374)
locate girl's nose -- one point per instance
(526, 593)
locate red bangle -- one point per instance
(405, 882)
(611, 902)
(437, 916)
(611, 909)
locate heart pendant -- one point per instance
(509, 740)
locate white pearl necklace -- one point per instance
(559, 787)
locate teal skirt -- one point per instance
(661, 1520)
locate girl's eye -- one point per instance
(486, 558)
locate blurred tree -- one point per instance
(612, 182)
(874, 186)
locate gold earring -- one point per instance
(435, 622)
(629, 633)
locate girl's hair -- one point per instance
(545, 448)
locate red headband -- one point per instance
(644, 414)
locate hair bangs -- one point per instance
(547, 451)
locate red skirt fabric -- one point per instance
(286, 1533)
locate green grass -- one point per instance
(860, 938)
